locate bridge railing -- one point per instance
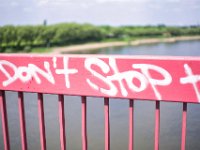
(171, 79)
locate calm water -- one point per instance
(183, 48)
(170, 136)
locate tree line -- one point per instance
(23, 38)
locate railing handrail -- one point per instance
(132, 77)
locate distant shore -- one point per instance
(94, 46)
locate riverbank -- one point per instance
(95, 46)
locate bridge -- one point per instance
(156, 79)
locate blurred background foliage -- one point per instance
(26, 38)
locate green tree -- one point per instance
(47, 35)
(25, 36)
(8, 35)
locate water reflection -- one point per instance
(181, 48)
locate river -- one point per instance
(170, 135)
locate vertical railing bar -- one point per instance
(157, 126)
(62, 121)
(131, 125)
(22, 120)
(184, 126)
(84, 123)
(107, 124)
(4, 120)
(41, 121)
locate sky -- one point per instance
(100, 12)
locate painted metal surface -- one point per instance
(62, 121)
(107, 123)
(41, 121)
(135, 77)
(157, 126)
(184, 127)
(84, 123)
(22, 120)
(4, 119)
(131, 125)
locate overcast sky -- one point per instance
(101, 12)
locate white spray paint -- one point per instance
(47, 75)
(112, 91)
(128, 76)
(112, 63)
(191, 79)
(155, 82)
(10, 78)
(25, 73)
(54, 59)
(66, 71)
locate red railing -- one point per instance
(172, 79)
